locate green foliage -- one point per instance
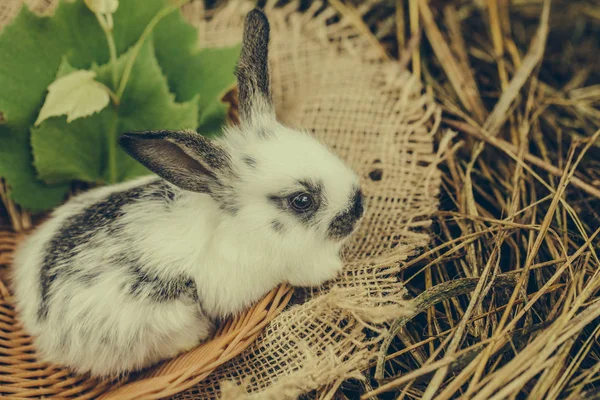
(75, 95)
(198, 72)
(172, 85)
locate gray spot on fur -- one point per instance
(343, 224)
(106, 339)
(230, 209)
(225, 197)
(64, 340)
(76, 235)
(88, 279)
(252, 70)
(277, 226)
(145, 284)
(263, 133)
(249, 161)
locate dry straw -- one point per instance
(331, 78)
(517, 236)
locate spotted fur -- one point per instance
(123, 276)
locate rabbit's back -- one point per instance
(90, 295)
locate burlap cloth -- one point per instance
(328, 78)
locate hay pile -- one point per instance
(516, 310)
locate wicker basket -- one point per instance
(23, 376)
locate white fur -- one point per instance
(103, 314)
(234, 259)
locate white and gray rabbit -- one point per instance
(126, 275)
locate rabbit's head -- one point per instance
(271, 181)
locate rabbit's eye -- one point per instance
(301, 203)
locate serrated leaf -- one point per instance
(64, 152)
(31, 49)
(15, 170)
(191, 70)
(77, 150)
(75, 95)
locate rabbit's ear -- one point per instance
(186, 159)
(252, 70)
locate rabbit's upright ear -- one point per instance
(252, 70)
(186, 159)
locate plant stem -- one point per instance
(122, 84)
(112, 151)
(111, 48)
(112, 95)
(111, 140)
(137, 47)
(113, 59)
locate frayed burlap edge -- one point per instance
(328, 366)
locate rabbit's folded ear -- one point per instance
(186, 159)
(252, 70)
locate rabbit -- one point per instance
(123, 276)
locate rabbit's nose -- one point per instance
(357, 205)
(344, 223)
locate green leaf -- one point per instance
(147, 104)
(71, 163)
(31, 49)
(30, 52)
(65, 68)
(191, 70)
(75, 95)
(71, 151)
(131, 19)
(16, 168)
(77, 150)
